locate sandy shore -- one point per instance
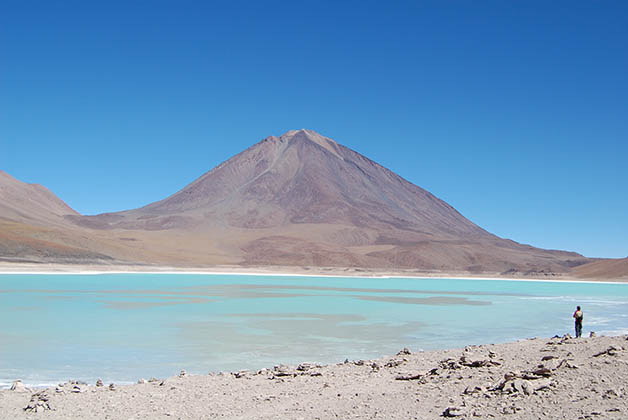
(536, 378)
(12, 268)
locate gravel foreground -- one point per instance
(561, 377)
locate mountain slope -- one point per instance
(30, 203)
(604, 269)
(300, 177)
(33, 227)
(303, 199)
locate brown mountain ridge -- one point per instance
(300, 199)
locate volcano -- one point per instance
(303, 199)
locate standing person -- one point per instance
(578, 315)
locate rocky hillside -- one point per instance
(303, 199)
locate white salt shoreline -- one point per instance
(422, 276)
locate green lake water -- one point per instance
(122, 327)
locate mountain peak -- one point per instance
(311, 135)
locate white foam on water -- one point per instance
(621, 331)
(593, 321)
(611, 301)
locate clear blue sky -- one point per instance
(515, 113)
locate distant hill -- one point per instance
(30, 203)
(604, 269)
(297, 200)
(33, 227)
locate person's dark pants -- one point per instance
(578, 329)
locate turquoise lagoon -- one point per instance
(122, 327)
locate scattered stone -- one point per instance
(450, 364)
(374, 366)
(39, 402)
(408, 377)
(567, 364)
(281, 371)
(473, 389)
(241, 374)
(405, 350)
(542, 384)
(610, 394)
(611, 351)
(511, 375)
(550, 357)
(526, 388)
(393, 363)
(306, 366)
(112, 387)
(542, 371)
(153, 379)
(76, 389)
(509, 410)
(478, 363)
(453, 412)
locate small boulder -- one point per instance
(473, 389)
(18, 386)
(38, 403)
(542, 371)
(542, 384)
(305, 366)
(453, 412)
